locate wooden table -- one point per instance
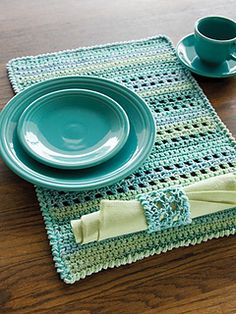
(196, 279)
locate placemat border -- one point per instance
(60, 266)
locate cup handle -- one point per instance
(233, 53)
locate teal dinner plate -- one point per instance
(136, 149)
(73, 128)
(188, 56)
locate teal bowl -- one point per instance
(73, 128)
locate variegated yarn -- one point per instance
(191, 144)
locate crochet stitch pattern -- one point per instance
(165, 208)
(192, 144)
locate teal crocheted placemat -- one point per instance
(191, 144)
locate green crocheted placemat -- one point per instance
(191, 144)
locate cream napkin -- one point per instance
(116, 218)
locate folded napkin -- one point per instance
(157, 210)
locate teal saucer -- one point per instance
(73, 129)
(131, 156)
(188, 56)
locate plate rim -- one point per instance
(75, 187)
(74, 165)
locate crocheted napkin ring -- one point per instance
(165, 209)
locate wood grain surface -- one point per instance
(196, 279)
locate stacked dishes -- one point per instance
(76, 133)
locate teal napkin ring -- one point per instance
(165, 209)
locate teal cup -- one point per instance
(215, 39)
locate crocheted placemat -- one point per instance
(191, 144)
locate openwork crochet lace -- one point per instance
(191, 144)
(165, 209)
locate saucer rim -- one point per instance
(182, 60)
